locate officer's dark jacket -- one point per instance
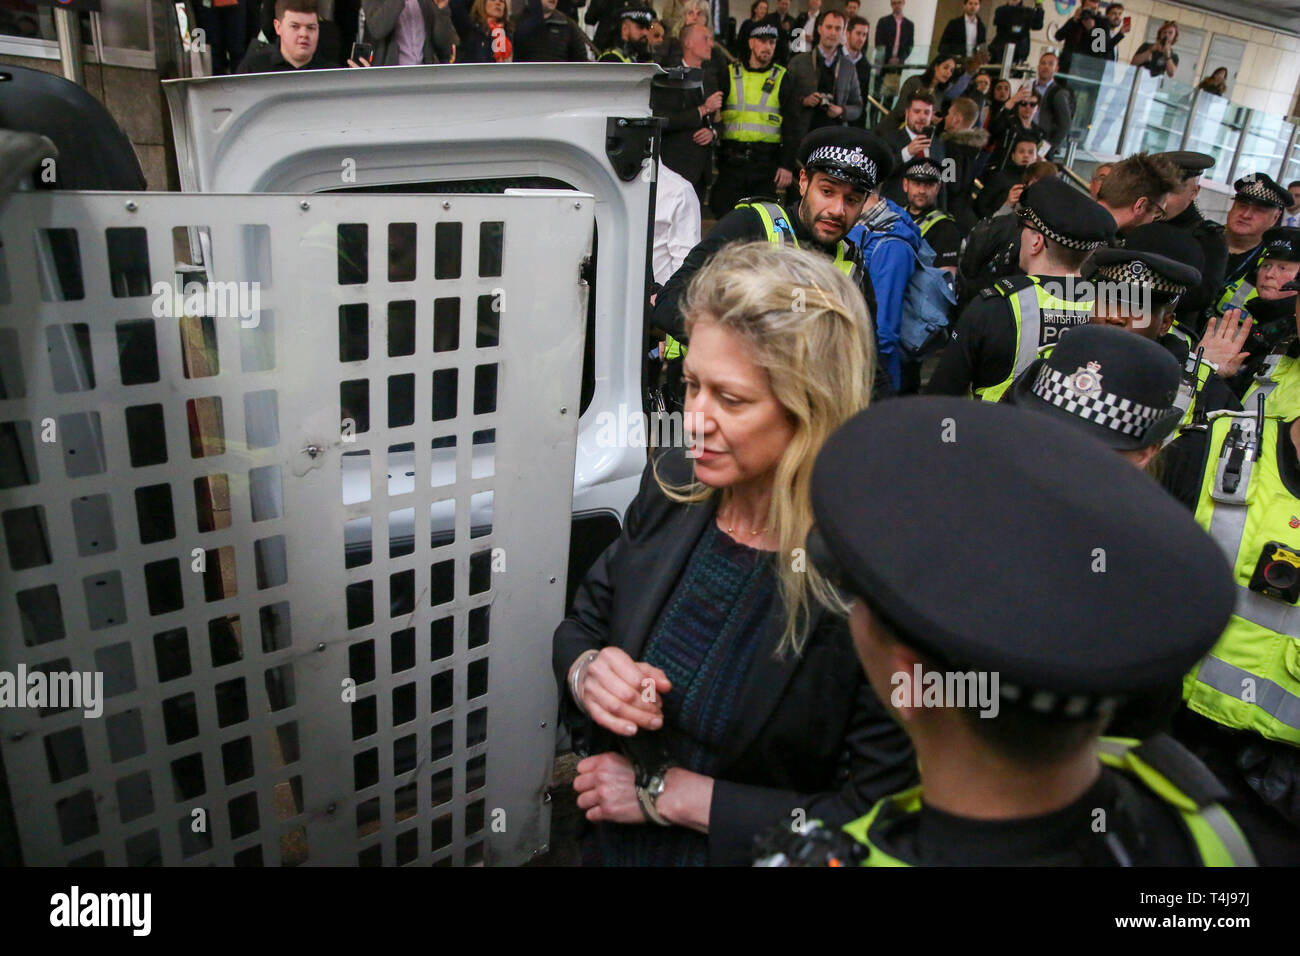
(739, 225)
(809, 731)
(992, 251)
(1209, 236)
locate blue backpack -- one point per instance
(927, 300)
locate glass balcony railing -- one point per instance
(1122, 109)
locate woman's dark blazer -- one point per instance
(810, 732)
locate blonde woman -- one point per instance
(705, 666)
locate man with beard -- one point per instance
(757, 157)
(841, 170)
(634, 40)
(921, 180)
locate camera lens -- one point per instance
(1280, 575)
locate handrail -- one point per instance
(1079, 180)
(876, 103)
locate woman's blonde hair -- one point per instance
(807, 326)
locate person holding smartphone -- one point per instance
(1159, 57)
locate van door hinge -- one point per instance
(629, 142)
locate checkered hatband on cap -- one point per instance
(855, 163)
(1080, 394)
(1138, 273)
(765, 30)
(1259, 191)
(1031, 216)
(639, 15)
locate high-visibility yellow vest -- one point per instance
(1234, 294)
(779, 229)
(1028, 302)
(751, 112)
(1250, 680)
(617, 54)
(928, 221)
(1279, 380)
(1217, 838)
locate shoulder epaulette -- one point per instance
(1006, 286)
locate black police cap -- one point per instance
(642, 15)
(922, 169)
(1159, 257)
(1259, 189)
(847, 153)
(1112, 383)
(1282, 242)
(1065, 215)
(1189, 162)
(999, 539)
(764, 31)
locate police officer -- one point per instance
(1000, 332)
(1242, 479)
(922, 179)
(1182, 212)
(1270, 306)
(1273, 369)
(1098, 366)
(1256, 208)
(1138, 288)
(757, 154)
(1004, 682)
(841, 168)
(634, 39)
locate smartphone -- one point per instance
(361, 51)
(928, 132)
(1128, 24)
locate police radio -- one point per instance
(1277, 573)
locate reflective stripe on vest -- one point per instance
(1250, 680)
(752, 110)
(1027, 307)
(779, 229)
(618, 53)
(1185, 400)
(930, 219)
(1279, 379)
(1234, 295)
(1218, 839)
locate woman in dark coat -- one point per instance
(706, 666)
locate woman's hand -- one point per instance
(687, 799)
(1224, 340)
(606, 788)
(623, 695)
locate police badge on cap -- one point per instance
(1282, 242)
(1259, 189)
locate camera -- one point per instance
(1277, 573)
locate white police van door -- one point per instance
(285, 489)
(467, 128)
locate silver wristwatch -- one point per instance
(648, 795)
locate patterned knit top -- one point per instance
(705, 641)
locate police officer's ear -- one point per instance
(803, 182)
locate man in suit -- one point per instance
(916, 137)
(964, 33)
(855, 48)
(894, 35)
(689, 132)
(826, 80)
(1055, 103)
